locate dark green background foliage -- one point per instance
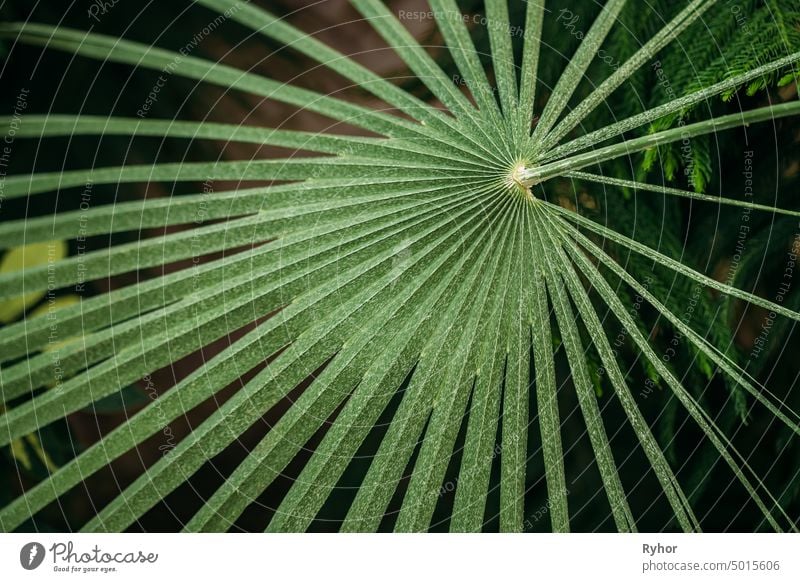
(731, 39)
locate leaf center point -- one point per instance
(515, 180)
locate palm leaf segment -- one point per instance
(423, 264)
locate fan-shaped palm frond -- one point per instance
(412, 287)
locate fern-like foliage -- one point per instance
(423, 289)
